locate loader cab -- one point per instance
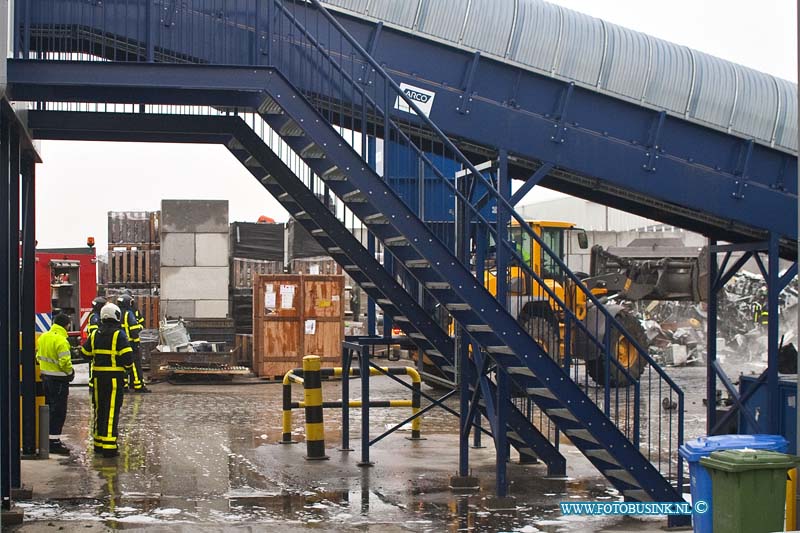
(556, 236)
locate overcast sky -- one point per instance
(80, 181)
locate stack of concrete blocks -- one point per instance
(194, 258)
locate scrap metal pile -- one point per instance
(676, 330)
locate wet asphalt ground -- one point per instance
(207, 458)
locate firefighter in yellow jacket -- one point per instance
(111, 356)
(55, 363)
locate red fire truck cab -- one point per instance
(66, 282)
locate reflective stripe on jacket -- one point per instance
(54, 356)
(131, 326)
(109, 350)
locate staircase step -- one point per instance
(582, 434)
(312, 151)
(384, 301)
(637, 494)
(513, 435)
(623, 475)
(284, 197)
(458, 307)
(335, 250)
(437, 285)
(302, 215)
(479, 328)
(270, 107)
(434, 353)
(234, 144)
(541, 391)
(401, 318)
(603, 455)
(369, 285)
(291, 129)
(562, 413)
(252, 162)
(354, 197)
(334, 174)
(521, 371)
(377, 218)
(318, 231)
(352, 268)
(505, 350)
(269, 179)
(418, 263)
(415, 335)
(397, 241)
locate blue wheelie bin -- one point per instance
(695, 449)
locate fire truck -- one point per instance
(66, 282)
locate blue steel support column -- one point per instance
(27, 304)
(363, 366)
(481, 242)
(711, 336)
(462, 353)
(257, 34)
(773, 336)
(5, 305)
(503, 389)
(371, 319)
(13, 298)
(388, 262)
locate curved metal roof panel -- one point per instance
(627, 62)
(604, 57)
(488, 27)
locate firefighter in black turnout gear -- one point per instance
(132, 329)
(94, 325)
(111, 355)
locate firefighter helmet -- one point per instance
(110, 312)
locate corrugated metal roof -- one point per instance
(605, 57)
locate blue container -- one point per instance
(787, 411)
(693, 450)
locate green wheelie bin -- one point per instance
(748, 489)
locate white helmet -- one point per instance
(110, 312)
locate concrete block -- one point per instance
(194, 283)
(676, 354)
(210, 308)
(211, 249)
(194, 216)
(178, 249)
(177, 308)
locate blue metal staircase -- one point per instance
(326, 98)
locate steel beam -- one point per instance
(14, 308)
(6, 403)
(28, 305)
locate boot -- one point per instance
(108, 454)
(57, 447)
(142, 390)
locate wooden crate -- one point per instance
(294, 316)
(134, 266)
(323, 317)
(131, 227)
(244, 271)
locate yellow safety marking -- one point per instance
(111, 406)
(323, 303)
(415, 424)
(311, 363)
(313, 397)
(628, 284)
(287, 421)
(315, 431)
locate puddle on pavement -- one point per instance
(196, 457)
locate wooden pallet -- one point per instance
(134, 227)
(245, 271)
(149, 307)
(134, 266)
(243, 344)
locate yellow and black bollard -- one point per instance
(40, 401)
(288, 379)
(312, 389)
